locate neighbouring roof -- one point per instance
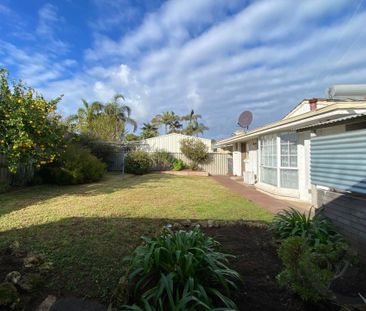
(330, 110)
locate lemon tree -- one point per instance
(30, 131)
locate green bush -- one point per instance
(180, 271)
(178, 165)
(138, 162)
(317, 229)
(76, 166)
(102, 151)
(312, 252)
(310, 270)
(196, 151)
(162, 160)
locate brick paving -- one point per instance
(268, 202)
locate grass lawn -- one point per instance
(86, 230)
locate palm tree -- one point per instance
(191, 117)
(163, 119)
(119, 115)
(149, 130)
(200, 128)
(85, 115)
(193, 127)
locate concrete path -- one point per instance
(268, 202)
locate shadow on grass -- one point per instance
(20, 198)
(87, 253)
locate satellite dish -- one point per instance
(245, 119)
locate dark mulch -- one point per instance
(257, 262)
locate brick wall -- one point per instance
(348, 213)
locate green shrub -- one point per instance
(310, 270)
(196, 151)
(162, 160)
(180, 271)
(178, 165)
(138, 162)
(76, 166)
(102, 151)
(3, 187)
(317, 229)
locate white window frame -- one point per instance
(278, 166)
(289, 167)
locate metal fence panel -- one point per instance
(339, 161)
(220, 164)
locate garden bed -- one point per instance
(186, 173)
(258, 264)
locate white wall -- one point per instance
(171, 142)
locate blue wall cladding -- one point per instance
(339, 161)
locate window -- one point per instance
(279, 163)
(269, 160)
(288, 167)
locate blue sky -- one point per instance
(218, 57)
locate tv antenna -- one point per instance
(245, 119)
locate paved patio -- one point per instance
(268, 202)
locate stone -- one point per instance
(195, 225)
(216, 224)
(210, 223)
(14, 249)
(32, 261)
(46, 267)
(47, 303)
(9, 296)
(186, 223)
(30, 282)
(203, 224)
(177, 225)
(13, 277)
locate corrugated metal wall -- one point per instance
(339, 161)
(170, 142)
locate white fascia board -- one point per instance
(291, 125)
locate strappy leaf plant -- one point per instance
(180, 271)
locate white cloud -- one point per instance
(264, 56)
(48, 21)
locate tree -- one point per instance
(30, 131)
(149, 130)
(193, 127)
(103, 121)
(85, 115)
(196, 151)
(120, 116)
(170, 121)
(132, 137)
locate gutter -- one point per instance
(339, 109)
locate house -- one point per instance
(171, 142)
(277, 158)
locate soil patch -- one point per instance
(258, 264)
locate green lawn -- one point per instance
(86, 230)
